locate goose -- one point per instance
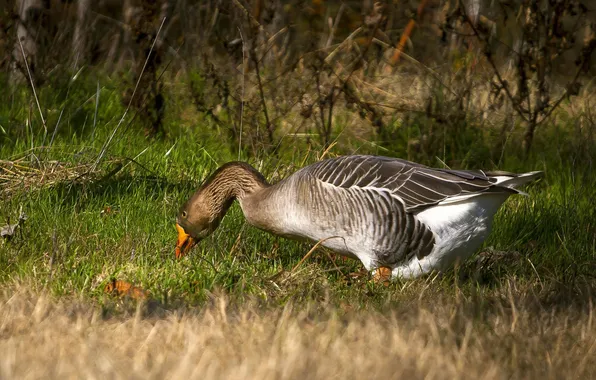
(399, 218)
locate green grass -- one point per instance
(82, 233)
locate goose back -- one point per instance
(414, 185)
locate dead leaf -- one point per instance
(123, 288)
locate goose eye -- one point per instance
(184, 214)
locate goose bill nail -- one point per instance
(185, 242)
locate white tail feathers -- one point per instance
(518, 179)
(504, 179)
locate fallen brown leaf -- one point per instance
(123, 288)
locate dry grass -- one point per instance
(499, 337)
(30, 172)
(22, 174)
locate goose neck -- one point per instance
(235, 180)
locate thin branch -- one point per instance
(242, 100)
(352, 35)
(262, 95)
(335, 25)
(270, 43)
(405, 36)
(43, 121)
(312, 250)
(107, 143)
(330, 117)
(433, 73)
(565, 94)
(502, 82)
(250, 17)
(321, 109)
(144, 100)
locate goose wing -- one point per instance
(416, 186)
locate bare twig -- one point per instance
(323, 133)
(335, 25)
(107, 143)
(432, 72)
(309, 253)
(269, 44)
(405, 36)
(43, 121)
(262, 95)
(348, 39)
(144, 100)
(251, 18)
(502, 82)
(585, 57)
(334, 263)
(330, 116)
(242, 100)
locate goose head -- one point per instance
(199, 217)
(203, 212)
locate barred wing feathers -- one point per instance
(415, 186)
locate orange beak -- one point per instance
(185, 242)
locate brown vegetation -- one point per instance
(431, 337)
(265, 62)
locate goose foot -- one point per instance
(382, 275)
